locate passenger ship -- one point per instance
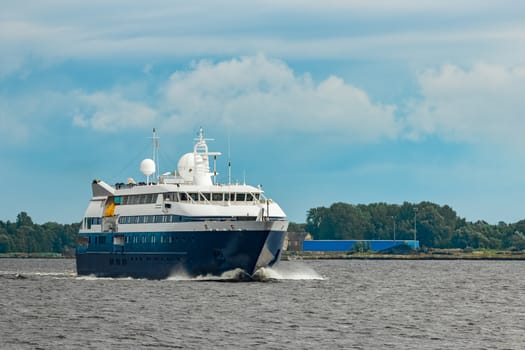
(182, 223)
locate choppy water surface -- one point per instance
(299, 305)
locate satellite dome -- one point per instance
(186, 166)
(147, 167)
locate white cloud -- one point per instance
(483, 104)
(24, 116)
(35, 113)
(264, 95)
(423, 31)
(111, 112)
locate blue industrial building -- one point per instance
(347, 245)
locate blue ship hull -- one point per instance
(163, 254)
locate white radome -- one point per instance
(186, 165)
(147, 167)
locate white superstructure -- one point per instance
(188, 195)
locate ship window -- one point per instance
(149, 219)
(127, 239)
(183, 196)
(158, 219)
(241, 197)
(172, 196)
(140, 219)
(143, 239)
(216, 197)
(205, 196)
(117, 200)
(153, 239)
(102, 240)
(170, 239)
(92, 221)
(249, 197)
(194, 196)
(257, 196)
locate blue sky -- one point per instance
(324, 101)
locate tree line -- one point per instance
(24, 236)
(435, 226)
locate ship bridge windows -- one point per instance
(171, 196)
(206, 197)
(148, 198)
(217, 197)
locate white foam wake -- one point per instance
(232, 275)
(290, 271)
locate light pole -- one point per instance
(394, 219)
(415, 227)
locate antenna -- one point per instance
(156, 153)
(215, 169)
(229, 161)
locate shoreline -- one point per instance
(438, 255)
(35, 256)
(444, 254)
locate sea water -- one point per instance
(331, 304)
